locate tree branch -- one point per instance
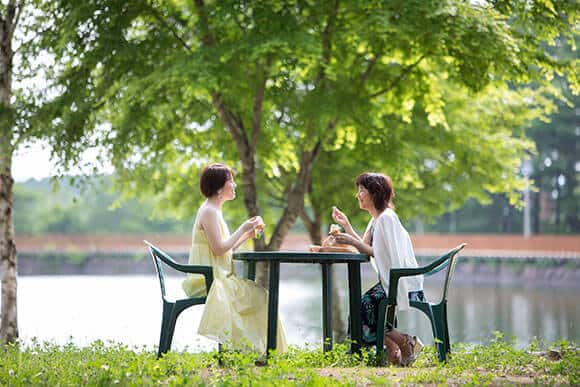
(326, 43)
(309, 223)
(164, 22)
(35, 37)
(368, 70)
(230, 120)
(395, 81)
(259, 102)
(207, 39)
(295, 196)
(233, 123)
(281, 117)
(19, 7)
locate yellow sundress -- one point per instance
(236, 309)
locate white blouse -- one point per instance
(392, 248)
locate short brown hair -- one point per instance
(380, 188)
(213, 178)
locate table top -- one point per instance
(301, 257)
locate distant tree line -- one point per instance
(41, 208)
(555, 172)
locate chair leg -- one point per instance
(391, 318)
(220, 354)
(170, 329)
(381, 312)
(440, 324)
(165, 322)
(431, 313)
(446, 330)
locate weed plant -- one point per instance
(100, 364)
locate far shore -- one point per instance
(541, 261)
(478, 245)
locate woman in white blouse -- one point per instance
(387, 242)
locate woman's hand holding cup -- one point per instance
(252, 223)
(259, 227)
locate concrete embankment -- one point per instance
(493, 259)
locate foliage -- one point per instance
(100, 364)
(268, 86)
(556, 171)
(553, 170)
(428, 164)
(41, 208)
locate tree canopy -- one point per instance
(301, 95)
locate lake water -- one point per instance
(127, 309)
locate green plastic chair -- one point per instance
(172, 309)
(437, 313)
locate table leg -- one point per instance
(273, 305)
(354, 292)
(326, 307)
(250, 270)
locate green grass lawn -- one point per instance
(498, 362)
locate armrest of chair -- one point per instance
(206, 271)
(396, 274)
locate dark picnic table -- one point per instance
(274, 258)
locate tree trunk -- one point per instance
(506, 224)
(9, 324)
(247, 153)
(295, 198)
(572, 218)
(536, 229)
(8, 272)
(558, 203)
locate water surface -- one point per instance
(127, 309)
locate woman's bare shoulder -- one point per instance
(207, 213)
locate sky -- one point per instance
(32, 161)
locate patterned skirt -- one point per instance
(369, 308)
(369, 318)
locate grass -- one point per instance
(100, 364)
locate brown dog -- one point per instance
(402, 349)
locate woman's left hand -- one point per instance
(345, 239)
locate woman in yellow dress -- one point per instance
(236, 309)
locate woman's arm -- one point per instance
(243, 238)
(257, 224)
(210, 222)
(360, 245)
(342, 219)
(364, 248)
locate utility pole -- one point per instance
(527, 170)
